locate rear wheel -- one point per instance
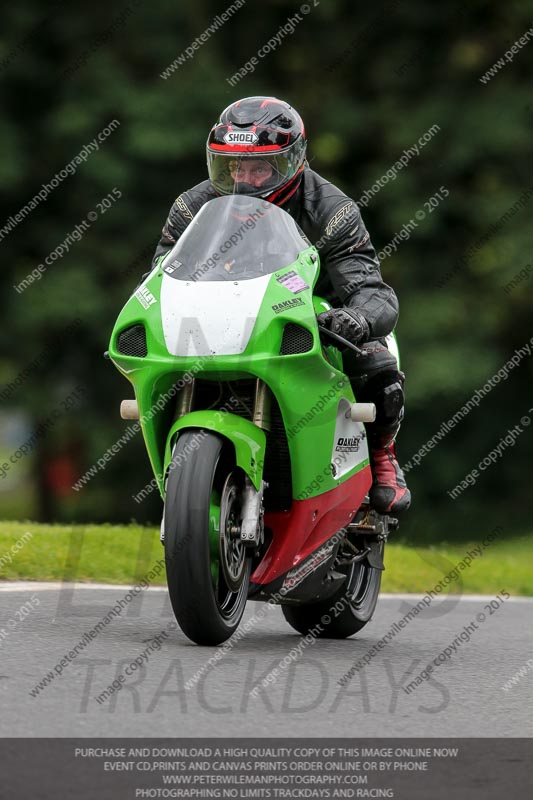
(208, 567)
(345, 612)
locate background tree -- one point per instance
(369, 80)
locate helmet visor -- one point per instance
(255, 174)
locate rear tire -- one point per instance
(207, 609)
(348, 610)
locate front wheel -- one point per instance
(208, 567)
(347, 611)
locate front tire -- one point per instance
(348, 610)
(202, 478)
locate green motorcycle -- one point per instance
(252, 429)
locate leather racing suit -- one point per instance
(351, 277)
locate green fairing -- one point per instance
(248, 440)
(307, 386)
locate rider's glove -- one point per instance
(346, 322)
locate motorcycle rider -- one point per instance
(258, 148)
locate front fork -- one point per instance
(249, 442)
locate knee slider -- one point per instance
(386, 391)
(391, 402)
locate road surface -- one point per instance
(462, 697)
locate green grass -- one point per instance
(503, 565)
(124, 554)
(102, 553)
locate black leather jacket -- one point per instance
(350, 273)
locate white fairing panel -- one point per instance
(350, 446)
(203, 318)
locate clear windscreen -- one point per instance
(235, 238)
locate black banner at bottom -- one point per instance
(405, 769)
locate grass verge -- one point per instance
(124, 554)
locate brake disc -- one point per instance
(232, 549)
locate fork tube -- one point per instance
(262, 403)
(184, 402)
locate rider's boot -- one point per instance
(389, 493)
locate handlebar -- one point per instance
(341, 340)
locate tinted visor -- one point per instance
(254, 174)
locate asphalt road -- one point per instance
(462, 697)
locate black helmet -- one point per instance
(257, 148)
